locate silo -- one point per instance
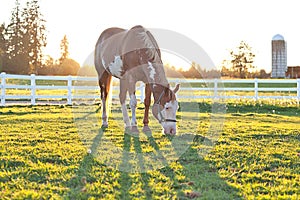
(279, 57)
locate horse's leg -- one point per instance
(147, 102)
(133, 105)
(104, 83)
(122, 96)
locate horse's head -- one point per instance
(165, 107)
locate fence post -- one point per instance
(3, 85)
(69, 98)
(256, 89)
(142, 91)
(215, 88)
(33, 88)
(298, 90)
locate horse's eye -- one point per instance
(167, 108)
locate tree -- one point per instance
(35, 34)
(194, 71)
(68, 67)
(15, 49)
(242, 59)
(2, 46)
(25, 39)
(64, 49)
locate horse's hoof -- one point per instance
(134, 130)
(127, 130)
(104, 126)
(147, 130)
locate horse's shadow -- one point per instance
(199, 175)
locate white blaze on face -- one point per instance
(170, 109)
(115, 67)
(169, 112)
(152, 71)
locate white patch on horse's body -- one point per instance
(115, 67)
(152, 71)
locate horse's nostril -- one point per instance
(172, 131)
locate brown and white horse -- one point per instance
(133, 55)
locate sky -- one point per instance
(216, 25)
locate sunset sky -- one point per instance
(215, 25)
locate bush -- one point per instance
(67, 67)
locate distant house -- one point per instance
(293, 72)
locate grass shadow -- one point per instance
(188, 177)
(201, 177)
(84, 173)
(125, 180)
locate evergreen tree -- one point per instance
(2, 46)
(25, 39)
(16, 56)
(35, 34)
(64, 49)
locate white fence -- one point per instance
(216, 88)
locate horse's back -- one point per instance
(119, 51)
(107, 33)
(102, 47)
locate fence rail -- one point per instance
(215, 88)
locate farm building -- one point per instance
(279, 57)
(293, 72)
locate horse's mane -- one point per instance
(148, 42)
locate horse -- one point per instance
(133, 55)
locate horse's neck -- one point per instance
(158, 92)
(160, 76)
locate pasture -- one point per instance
(60, 152)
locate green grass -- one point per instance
(256, 154)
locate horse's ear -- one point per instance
(176, 88)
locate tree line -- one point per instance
(239, 65)
(23, 40)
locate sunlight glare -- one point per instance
(172, 59)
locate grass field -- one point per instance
(255, 154)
